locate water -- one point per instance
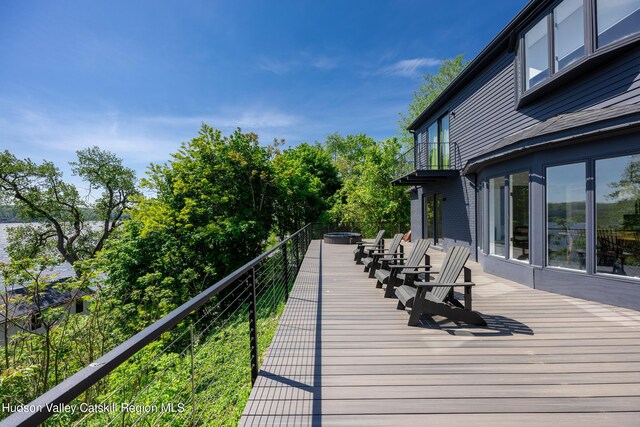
(62, 270)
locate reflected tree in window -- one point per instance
(618, 215)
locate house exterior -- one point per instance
(19, 313)
(531, 156)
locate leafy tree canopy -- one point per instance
(367, 199)
(39, 193)
(307, 180)
(213, 210)
(432, 85)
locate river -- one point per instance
(62, 270)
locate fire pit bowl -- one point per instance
(343, 238)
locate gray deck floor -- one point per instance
(343, 355)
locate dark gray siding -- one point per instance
(485, 111)
(416, 215)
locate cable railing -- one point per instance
(193, 366)
(425, 156)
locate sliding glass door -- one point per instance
(433, 218)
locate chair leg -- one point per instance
(400, 305)
(416, 311)
(388, 291)
(378, 284)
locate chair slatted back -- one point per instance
(451, 267)
(378, 239)
(418, 251)
(393, 247)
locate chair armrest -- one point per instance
(382, 252)
(388, 257)
(443, 285)
(410, 266)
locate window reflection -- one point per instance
(566, 201)
(519, 213)
(496, 216)
(536, 54)
(568, 39)
(618, 215)
(617, 19)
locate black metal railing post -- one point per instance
(253, 332)
(297, 249)
(286, 272)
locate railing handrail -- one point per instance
(413, 147)
(79, 382)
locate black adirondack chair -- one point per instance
(372, 261)
(437, 297)
(393, 275)
(364, 248)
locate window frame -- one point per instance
(439, 143)
(594, 21)
(593, 241)
(505, 209)
(587, 173)
(593, 55)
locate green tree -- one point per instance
(307, 180)
(348, 151)
(431, 87)
(213, 210)
(367, 199)
(40, 194)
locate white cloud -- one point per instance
(408, 67)
(275, 66)
(297, 62)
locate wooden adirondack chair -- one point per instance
(365, 248)
(372, 261)
(437, 297)
(397, 275)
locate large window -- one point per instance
(566, 216)
(438, 147)
(496, 216)
(433, 220)
(545, 54)
(568, 26)
(519, 216)
(536, 54)
(618, 216)
(617, 19)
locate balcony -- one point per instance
(425, 163)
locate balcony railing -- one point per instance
(192, 366)
(434, 158)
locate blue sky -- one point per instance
(138, 77)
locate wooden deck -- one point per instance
(343, 355)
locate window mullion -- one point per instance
(550, 44)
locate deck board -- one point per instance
(343, 355)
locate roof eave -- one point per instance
(486, 55)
